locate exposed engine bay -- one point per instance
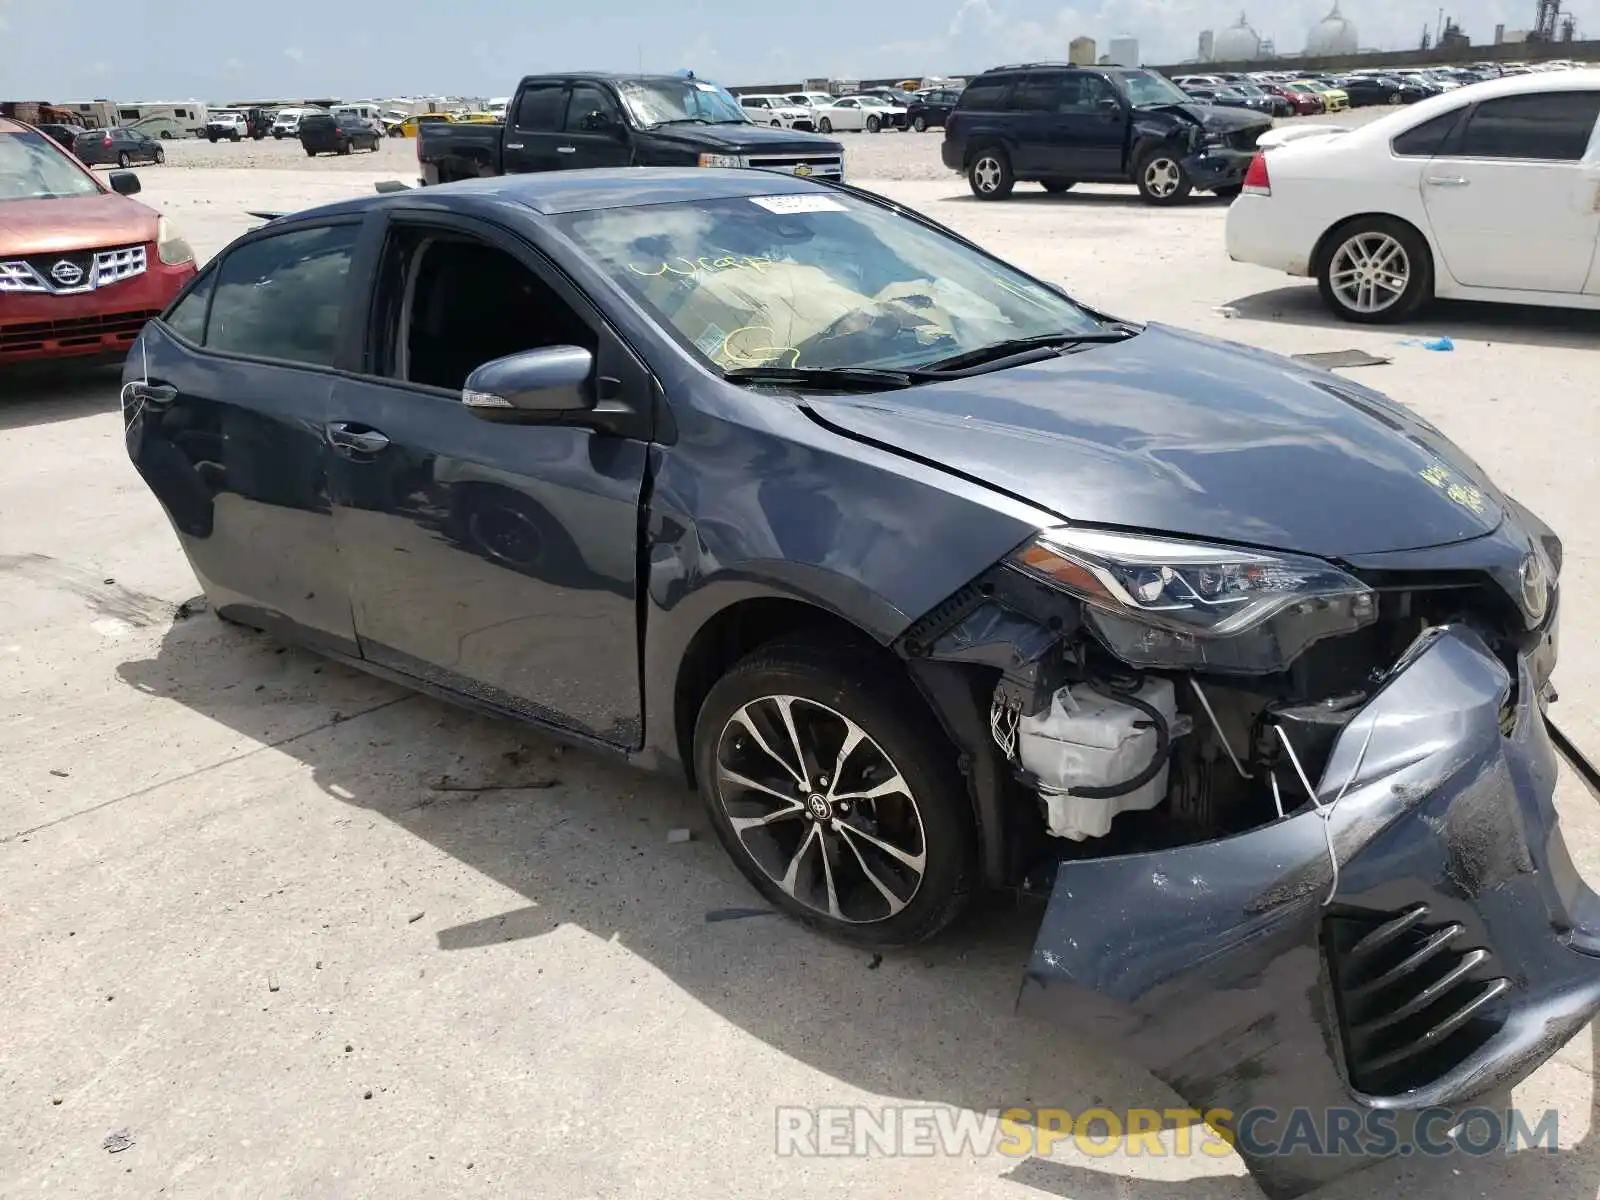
(1149, 693)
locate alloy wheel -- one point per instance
(986, 173)
(1370, 272)
(1162, 177)
(821, 809)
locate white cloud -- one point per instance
(294, 54)
(233, 64)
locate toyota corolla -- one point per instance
(930, 580)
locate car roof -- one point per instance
(554, 192)
(7, 125)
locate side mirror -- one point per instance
(124, 183)
(549, 381)
(1110, 110)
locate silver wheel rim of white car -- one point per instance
(820, 807)
(986, 173)
(1161, 177)
(1369, 272)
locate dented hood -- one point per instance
(1184, 434)
(73, 223)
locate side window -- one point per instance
(1037, 92)
(282, 297)
(187, 318)
(846, 104)
(540, 108)
(471, 303)
(1082, 94)
(1553, 127)
(589, 109)
(1429, 138)
(988, 93)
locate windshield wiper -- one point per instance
(1028, 349)
(856, 379)
(681, 121)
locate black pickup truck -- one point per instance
(563, 122)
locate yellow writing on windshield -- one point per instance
(706, 264)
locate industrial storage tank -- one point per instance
(1238, 43)
(1331, 36)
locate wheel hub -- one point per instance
(819, 807)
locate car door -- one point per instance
(496, 560)
(1512, 199)
(533, 129)
(847, 114)
(596, 134)
(228, 427)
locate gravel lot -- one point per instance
(242, 921)
(883, 156)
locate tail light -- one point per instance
(106, 141)
(1256, 180)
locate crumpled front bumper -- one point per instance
(1450, 951)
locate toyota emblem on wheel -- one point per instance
(67, 274)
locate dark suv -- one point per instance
(1057, 124)
(325, 133)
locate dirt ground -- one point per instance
(253, 945)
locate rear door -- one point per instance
(533, 128)
(596, 134)
(1514, 198)
(231, 439)
(495, 560)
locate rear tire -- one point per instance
(1162, 179)
(989, 175)
(1375, 271)
(824, 126)
(1229, 192)
(1056, 186)
(124, 161)
(310, 153)
(920, 124)
(925, 821)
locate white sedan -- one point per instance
(1487, 192)
(777, 110)
(857, 113)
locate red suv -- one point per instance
(82, 266)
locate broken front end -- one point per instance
(1295, 819)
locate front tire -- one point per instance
(1162, 179)
(1056, 186)
(874, 124)
(1375, 271)
(1229, 192)
(836, 794)
(989, 175)
(161, 156)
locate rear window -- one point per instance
(317, 121)
(988, 92)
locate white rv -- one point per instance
(190, 114)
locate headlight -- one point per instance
(722, 160)
(170, 246)
(1161, 602)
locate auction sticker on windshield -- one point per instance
(798, 204)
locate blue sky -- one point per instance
(202, 49)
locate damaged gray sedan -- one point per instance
(930, 580)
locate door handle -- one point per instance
(156, 395)
(566, 149)
(349, 439)
(513, 145)
(1448, 181)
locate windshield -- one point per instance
(814, 280)
(1144, 88)
(32, 167)
(659, 101)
